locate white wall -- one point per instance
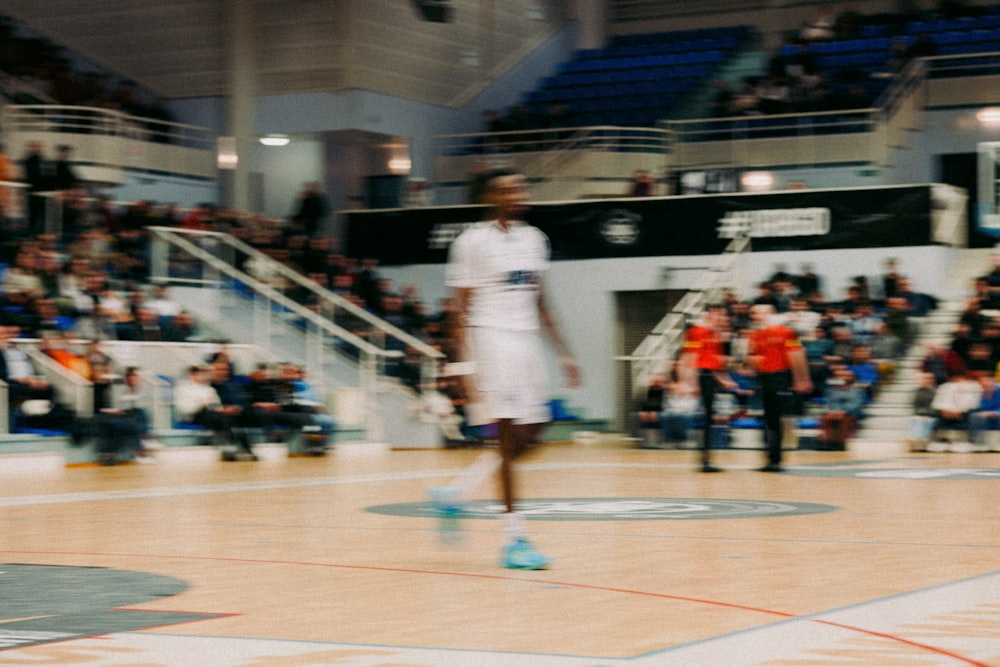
(185, 193)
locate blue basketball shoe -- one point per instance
(520, 555)
(448, 508)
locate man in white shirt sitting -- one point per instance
(197, 402)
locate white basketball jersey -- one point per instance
(504, 269)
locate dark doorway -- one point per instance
(959, 169)
(638, 313)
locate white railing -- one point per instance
(275, 314)
(658, 350)
(106, 143)
(44, 118)
(601, 137)
(553, 156)
(71, 389)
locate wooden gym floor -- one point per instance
(868, 557)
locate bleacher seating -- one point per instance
(636, 79)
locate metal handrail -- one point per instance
(599, 137)
(325, 295)
(169, 234)
(331, 298)
(107, 122)
(79, 389)
(659, 348)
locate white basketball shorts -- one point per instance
(510, 377)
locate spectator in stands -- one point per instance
(991, 337)
(954, 401)
(801, 317)
(642, 184)
(864, 369)
(856, 294)
(890, 278)
(972, 317)
(273, 404)
(941, 362)
(197, 402)
(8, 196)
(961, 341)
(807, 281)
(921, 304)
(981, 292)
(745, 101)
(898, 323)
(842, 343)
(24, 383)
(22, 285)
(651, 415)
(181, 328)
(144, 326)
(986, 416)
(993, 277)
(311, 209)
(163, 303)
(721, 105)
(921, 423)
(680, 409)
(819, 356)
(865, 324)
(845, 402)
(122, 425)
(64, 176)
(307, 400)
(37, 174)
(773, 95)
(980, 361)
(765, 295)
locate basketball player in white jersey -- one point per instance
(495, 269)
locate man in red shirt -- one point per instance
(776, 353)
(703, 366)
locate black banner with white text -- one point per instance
(664, 226)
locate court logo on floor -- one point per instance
(49, 603)
(618, 509)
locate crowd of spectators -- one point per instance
(795, 83)
(91, 281)
(853, 343)
(958, 388)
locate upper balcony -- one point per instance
(109, 144)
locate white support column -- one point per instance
(242, 100)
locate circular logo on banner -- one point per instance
(620, 228)
(618, 509)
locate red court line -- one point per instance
(523, 578)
